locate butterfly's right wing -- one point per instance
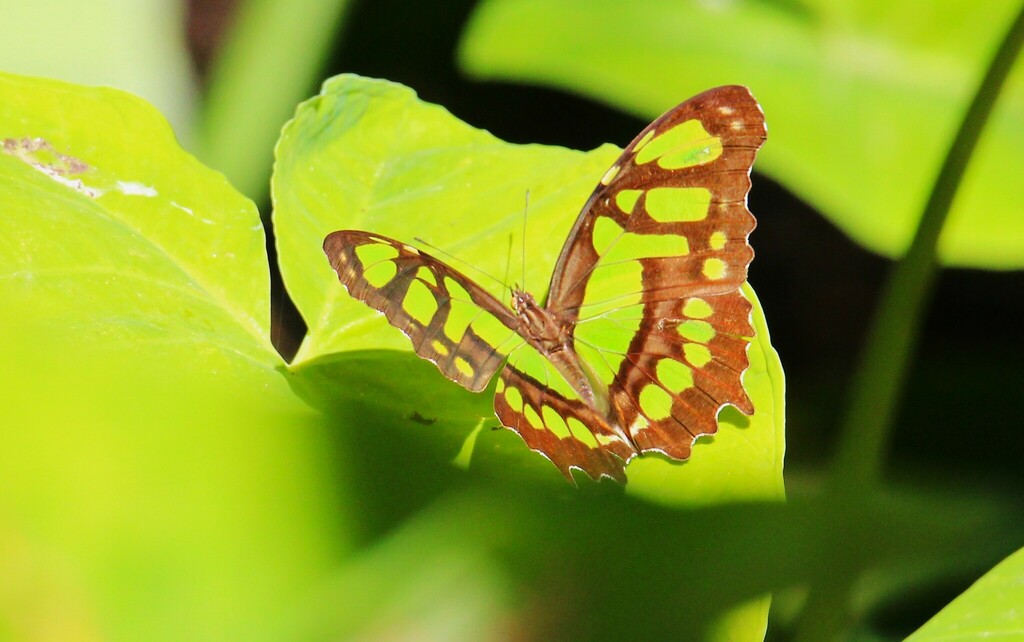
(650, 275)
(451, 320)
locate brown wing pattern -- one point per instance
(684, 177)
(699, 377)
(451, 321)
(553, 421)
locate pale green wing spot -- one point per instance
(625, 199)
(697, 308)
(419, 302)
(655, 402)
(461, 314)
(610, 175)
(463, 366)
(606, 232)
(678, 204)
(532, 417)
(370, 253)
(555, 422)
(513, 397)
(492, 331)
(610, 333)
(379, 274)
(641, 422)
(377, 261)
(714, 269)
(426, 275)
(689, 157)
(685, 145)
(462, 311)
(615, 245)
(640, 144)
(578, 430)
(697, 355)
(674, 375)
(717, 240)
(696, 331)
(464, 315)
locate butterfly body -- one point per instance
(553, 338)
(642, 336)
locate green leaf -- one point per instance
(153, 463)
(140, 203)
(989, 610)
(858, 122)
(367, 154)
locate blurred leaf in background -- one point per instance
(989, 610)
(863, 97)
(136, 45)
(268, 57)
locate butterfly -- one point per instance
(642, 337)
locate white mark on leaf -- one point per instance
(131, 188)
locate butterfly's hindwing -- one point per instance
(680, 370)
(534, 400)
(451, 321)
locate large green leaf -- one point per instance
(989, 610)
(367, 154)
(153, 463)
(862, 99)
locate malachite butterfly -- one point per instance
(643, 336)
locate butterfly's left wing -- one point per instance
(451, 321)
(650, 275)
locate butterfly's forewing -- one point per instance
(451, 321)
(651, 271)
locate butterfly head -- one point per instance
(522, 300)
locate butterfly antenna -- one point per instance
(508, 261)
(526, 207)
(452, 257)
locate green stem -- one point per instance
(891, 343)
(269, 62)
